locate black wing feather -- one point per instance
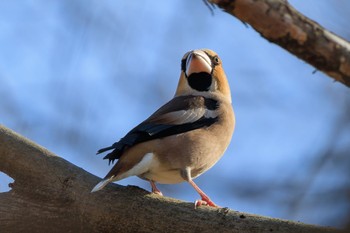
(147, 131)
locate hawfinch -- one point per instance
(183, 138)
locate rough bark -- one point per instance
(278, 22)
(50, 194)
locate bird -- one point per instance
(183, 138)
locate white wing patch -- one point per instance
(211, 114)
(187, 116)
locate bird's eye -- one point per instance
(216, 60)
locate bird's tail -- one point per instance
(118, 149)
(102, 184)
(105, 149)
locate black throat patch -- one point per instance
(200, 81)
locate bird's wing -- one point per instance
(180, 115)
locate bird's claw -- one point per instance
(199, 203)
(157, 192)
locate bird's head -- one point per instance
(201, 71)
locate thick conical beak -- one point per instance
(198, 61)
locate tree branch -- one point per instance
(52, 195)
(278, 22)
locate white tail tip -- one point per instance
(102, 184)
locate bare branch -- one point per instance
(278, 22)
(52, 195)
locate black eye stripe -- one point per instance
(208, 54)
(183, 65)
(215, 59)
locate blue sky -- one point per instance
(77, 75)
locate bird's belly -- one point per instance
(171, 176)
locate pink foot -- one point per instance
(205, 199)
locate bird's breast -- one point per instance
(163, 176)
(198, 149)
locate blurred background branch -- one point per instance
(280, 23)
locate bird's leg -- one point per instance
(155, 190)
(205, 199)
